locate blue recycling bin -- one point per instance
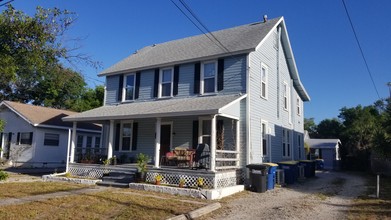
(271, 178)
(291, 171)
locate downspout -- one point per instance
(278, 78)
(248, 121)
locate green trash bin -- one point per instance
(258, 177)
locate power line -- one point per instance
(361, 51)
(6, 2)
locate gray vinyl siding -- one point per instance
(147, 79)
(112, 85)
(243, 147)
(186, 80)
(235, 74)
(271, 109)
(182, 131)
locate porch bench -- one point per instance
(181, 156)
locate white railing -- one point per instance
(227, 159)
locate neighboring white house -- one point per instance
(326, 149)
(244, 99)
(35, 136)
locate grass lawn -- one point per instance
(113, 203)
(367, 207)
(22, 189)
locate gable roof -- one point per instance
(240, 39)
(161, 108)
(44, 116)
(323, 143)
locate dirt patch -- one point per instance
(329, 195)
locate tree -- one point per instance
(31, 52)
(2, 125)
(329, 128)
(310, 126)
(382, 137)
(91, 98)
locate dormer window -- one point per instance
(209, 77)
(166, 82)
(129, 87)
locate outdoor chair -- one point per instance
(202, 157)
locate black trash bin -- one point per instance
(309, 167)
(258, 177)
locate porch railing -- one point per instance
(227, 159)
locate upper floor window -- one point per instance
(209, 77)
(298, 106)
(166, 82)
(51, 139)
(126, 136)
(129, 87)
(286, 96)
(264, 73)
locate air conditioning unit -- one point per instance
(280, 177)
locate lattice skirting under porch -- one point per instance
(211, 180)
(96, 171)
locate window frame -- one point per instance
(121, 136)
(201, 134)
(298, 106)
(29, 140)
(124, 87)
(265, 136)
(79, 149)
(264, 84)
(49, 144)
(202, 81)
(286, 96)
(286, 143)
(160, 88)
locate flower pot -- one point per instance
(181, 185)
(157, 182)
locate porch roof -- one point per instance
(206, 105)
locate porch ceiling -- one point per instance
(206, 105)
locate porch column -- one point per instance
(237, 145)
(111, 140)
(213, 144)
(157, 142)
(74, 128)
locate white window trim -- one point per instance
(202, 77)
(298, 106)
(121, 136)
(161, 82)
(124, 88)
(44, 138)
(286, 96)
(263, 66)
(200, 126)
(267, 138)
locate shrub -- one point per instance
(3, 175)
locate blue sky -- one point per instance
(328, 58)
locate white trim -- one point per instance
(213, 144)
(266, 133)
(266, 68)
(160, 82)
(124, 87)
(16, 112)
(203, 77)
(111, 140)
(60, 127)
(68, 150)
(298, 106)
(248, 112)
(200, 126)
(232, 103)
(228, 116)
(121, 135)
(270, 33)
(74, 130)
(285, 95)
(157, 141)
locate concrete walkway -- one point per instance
(42, 197)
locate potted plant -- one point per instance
(158, 178)
(200, 182)
(182, 182)
(142, 161)
(106, 163)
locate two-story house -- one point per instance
(240, 95)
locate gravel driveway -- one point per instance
(327, 196)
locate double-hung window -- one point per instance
(25, 138)
(298, 106)
(51, 139)
(209, 77)
(286, 143)
(206, 126)
(129, 87)
(286, 96)
(264, 71)
(166, 82)
(126, 136)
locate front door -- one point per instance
(165, 139)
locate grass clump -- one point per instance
(3, 175)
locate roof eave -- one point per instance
(215, 56)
